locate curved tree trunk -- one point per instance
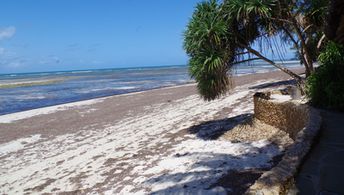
(299, 80)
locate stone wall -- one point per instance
(303, 124)
(287, 116)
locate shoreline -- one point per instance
(99, 112)
(238, 80)
(152, 141)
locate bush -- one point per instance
(325, 86)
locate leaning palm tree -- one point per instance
(220, 35)
(210, 50)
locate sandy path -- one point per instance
(103, 146)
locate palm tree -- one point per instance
(220, 35)
(207, 44)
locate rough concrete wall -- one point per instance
(278, 179)
(287, 116)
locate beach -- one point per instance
(134, 143)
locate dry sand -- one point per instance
(160, 141)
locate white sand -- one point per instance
(136, 155)
(280, 98)
(17, 144)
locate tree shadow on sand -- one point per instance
(218, 173)
(211, 130)
(273, 84)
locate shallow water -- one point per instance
(25, 91)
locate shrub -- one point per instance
(325, 86)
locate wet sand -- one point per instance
(117, 144)
(106, 111)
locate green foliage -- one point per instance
(325, 87)
(220, 34)
(215, 33)
(206, 42)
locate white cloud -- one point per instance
(7, 32)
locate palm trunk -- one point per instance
(298, 79)
(308, 64)
(308, 60)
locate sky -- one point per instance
(51, 35)
(54, 35)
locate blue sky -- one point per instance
(51, 35)
(47, 35)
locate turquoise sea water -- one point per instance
(25, 91)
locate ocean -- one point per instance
(25, 91)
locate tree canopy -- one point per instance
(222, 33)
